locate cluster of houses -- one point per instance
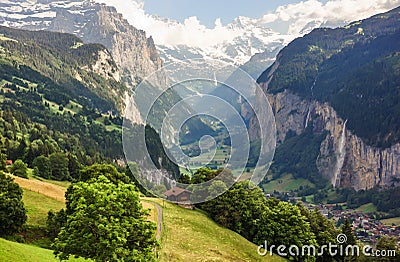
(369, 230)
(366, 228)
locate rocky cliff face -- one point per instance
(133, 52)
(332, 79)
(105, 66)
(344, 158)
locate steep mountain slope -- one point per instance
(344, 82)
(60, 97)
(88, 70)
(134, 53)
(93, 23)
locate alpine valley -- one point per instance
(314, 85)
(70, 72)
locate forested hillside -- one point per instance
(355, 69)
(60, 104)
(63, 66)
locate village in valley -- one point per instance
(366, 227)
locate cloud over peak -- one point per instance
(296, 16)
(291, 19)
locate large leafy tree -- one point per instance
(105, 222)
(389, 243)
(323, 228)
(12, 210)
(19, 168)
(97, 170)
(285, 225)
(239, 209)
(244, 209)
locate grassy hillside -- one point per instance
(11, 251)
(392, 221)
(48, 189)
(38, 206)
(367, 208)
(190, 235)
(40, 197)
(286, 183)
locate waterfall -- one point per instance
(313, 85)
(315, 82)
(308, 118)
(340, 158)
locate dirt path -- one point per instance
(159, 220)
(159, 217)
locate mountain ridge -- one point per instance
(254, 38)
(329, 80)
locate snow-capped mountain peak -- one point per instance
(235, 43)
(251, 36)
(35, 14)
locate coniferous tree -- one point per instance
(348, 231)
(3, 163)
(43, 166)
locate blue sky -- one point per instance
(207, 11)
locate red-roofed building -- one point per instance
(177, 194)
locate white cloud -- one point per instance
(298, 15)
(294, 16)
(191, 32)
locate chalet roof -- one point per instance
(176, 191)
